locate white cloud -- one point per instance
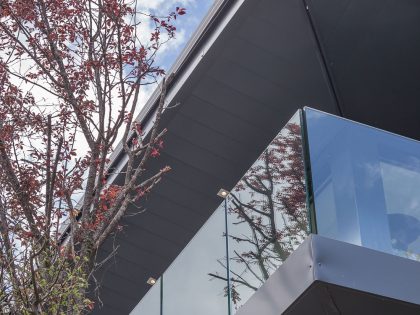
(163, 6)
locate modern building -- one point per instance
(319, 209)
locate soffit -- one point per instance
(372, 48)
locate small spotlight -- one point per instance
(223, 193)
(151, 281)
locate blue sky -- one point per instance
(186, 24)
(196, 10)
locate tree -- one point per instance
(267, 213)
(71, 73)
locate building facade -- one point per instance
(321, 213)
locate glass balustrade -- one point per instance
(366, 184)
(363, 189)
(189, 286)
(267, 213)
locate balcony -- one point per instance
(349, 183)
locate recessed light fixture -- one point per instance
(223, 193)
(151, 281)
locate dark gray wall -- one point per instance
(359, 58)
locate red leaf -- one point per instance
(154, 153)
(180, 11)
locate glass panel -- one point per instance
(365, 184)
(150, 304)
(267, 220)
(188, 287)
(267, 213)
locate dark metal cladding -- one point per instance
(254, 68)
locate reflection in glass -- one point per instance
(403, 207)
(365, 184)
(267, 213)
(150, 303)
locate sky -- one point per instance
(186, 25)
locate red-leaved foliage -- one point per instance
(71, 73)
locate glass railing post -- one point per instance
(161, 295)
(229, 293)
(306, 158)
